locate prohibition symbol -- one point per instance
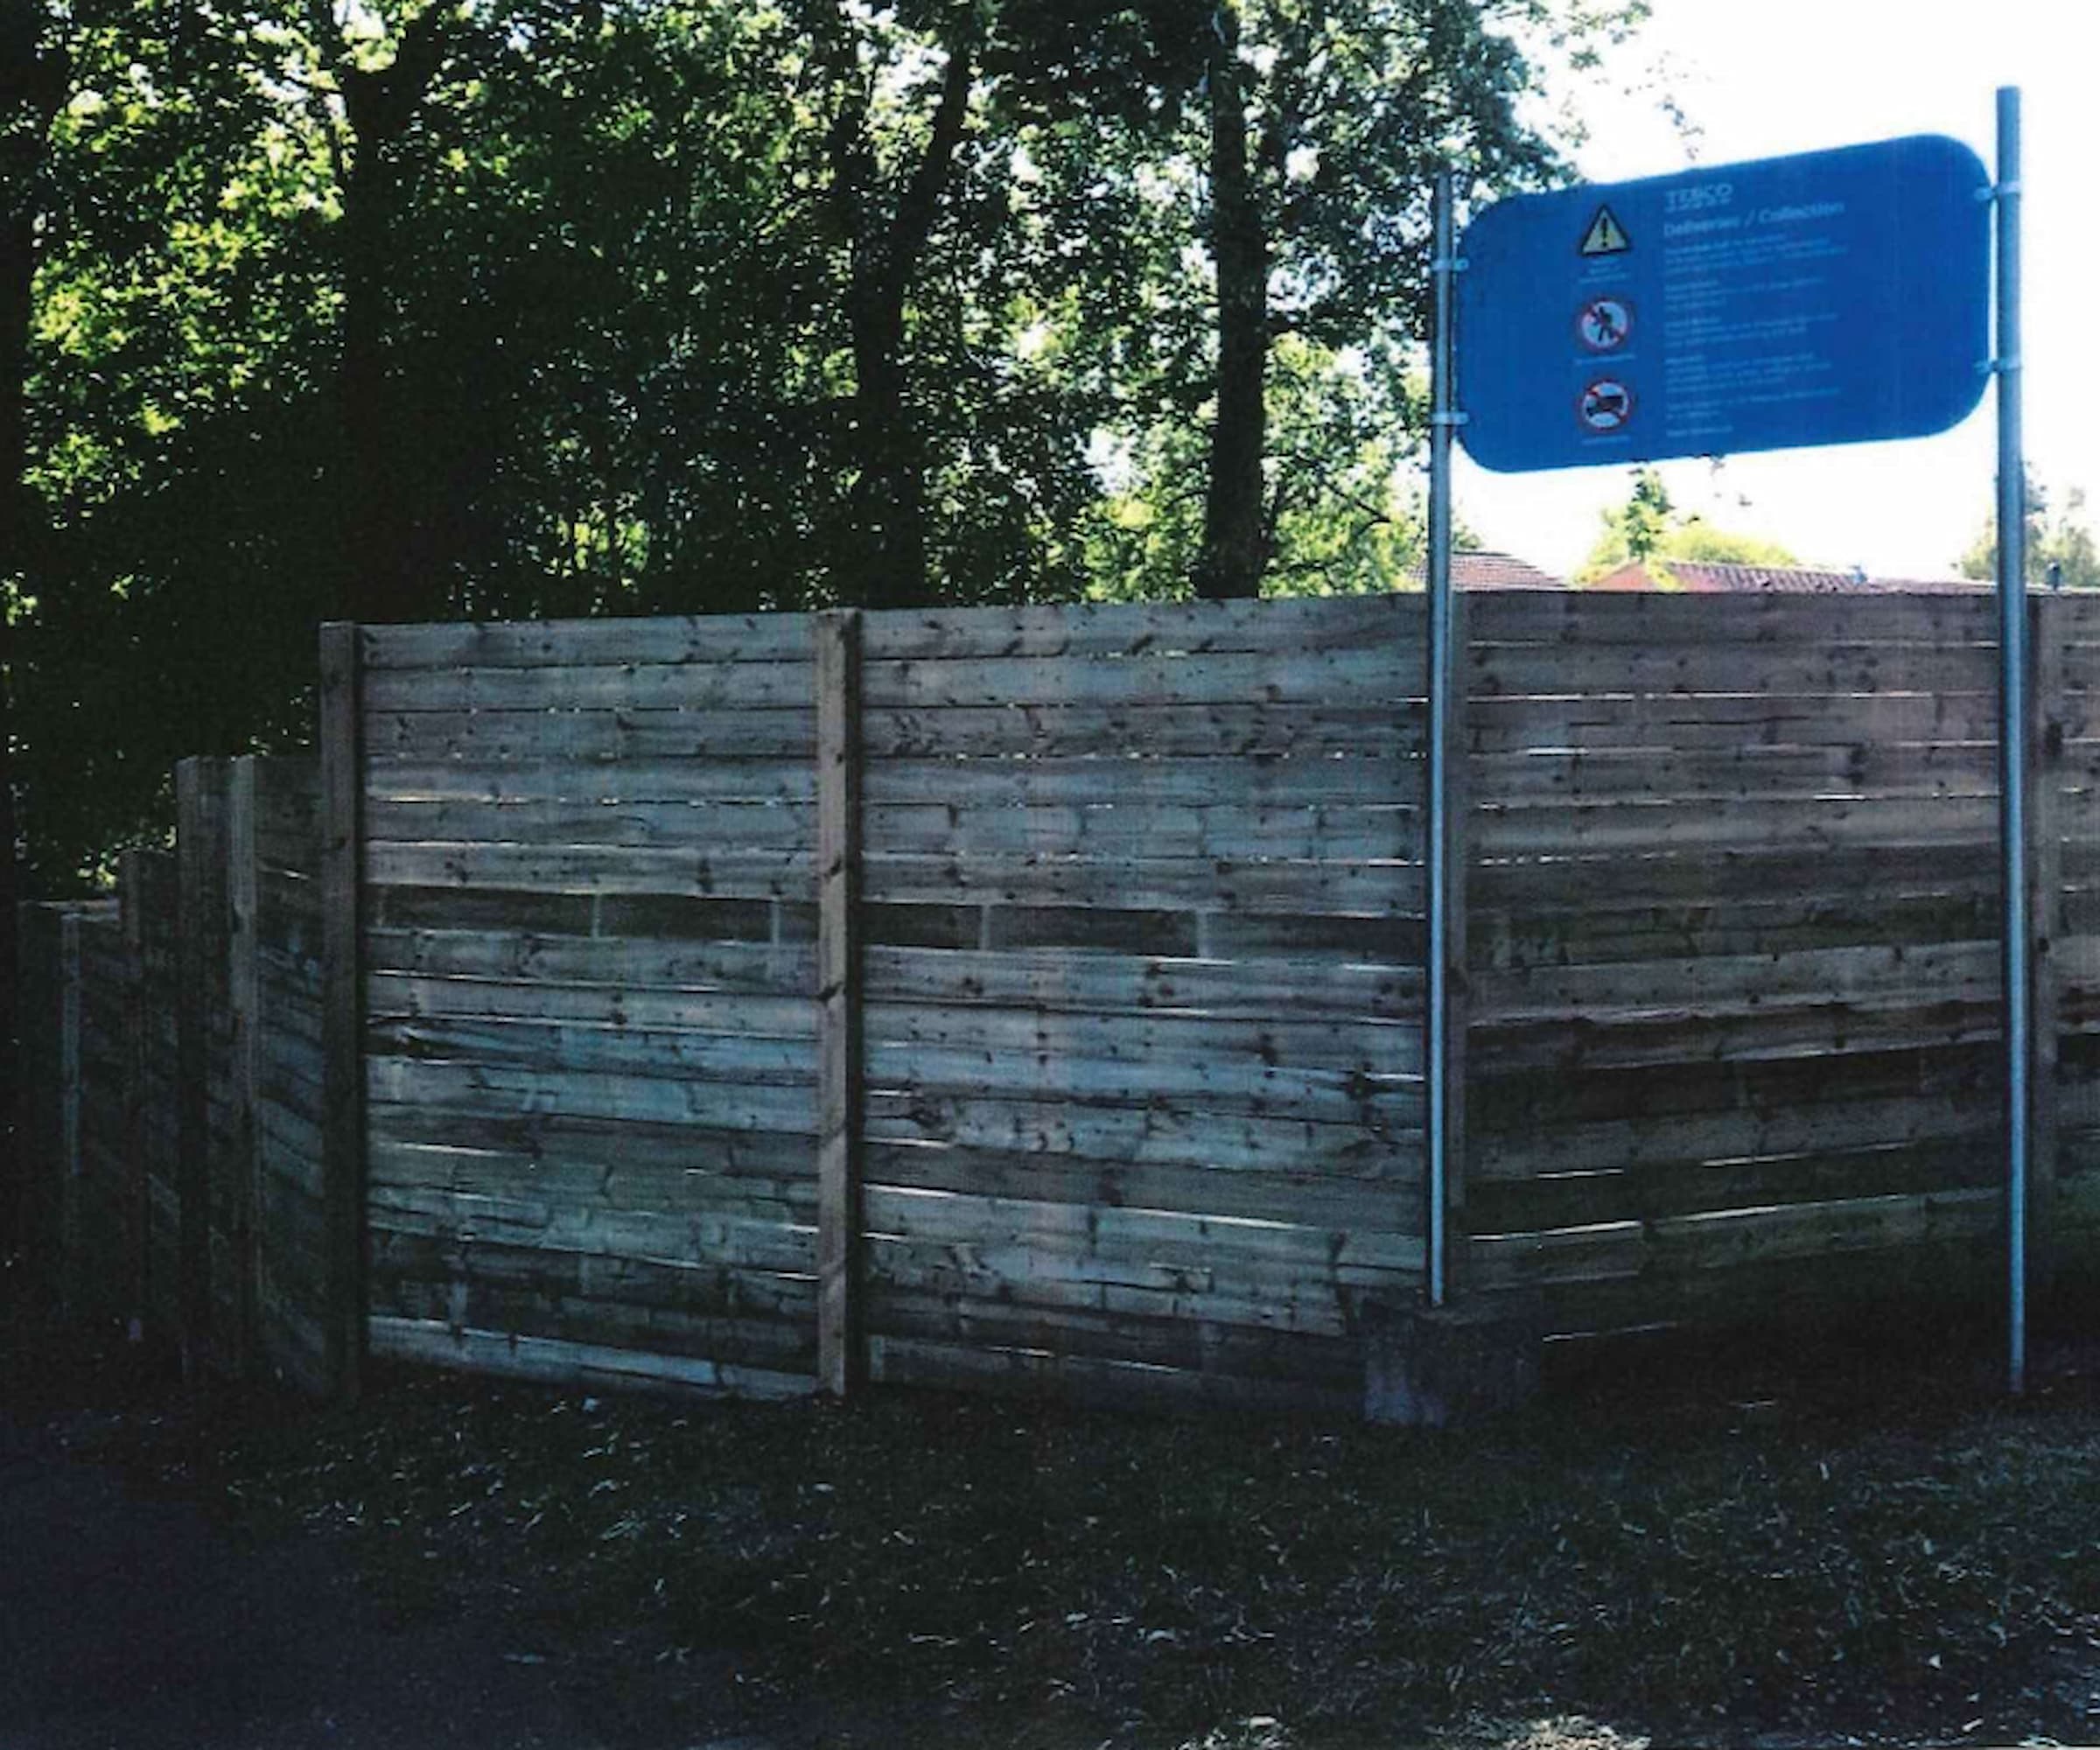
(1607, 404)
(1604, 325)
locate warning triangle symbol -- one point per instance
(1606, 237)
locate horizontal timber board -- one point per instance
(1332, 1096)
(607, 1141)
(561, 1047)
(408, 995)
(1142, 779)
(689, 1187)
(1858, 769)
(913, 1361)
(501, 1090)
(1663, 618)
(691, 1237)
(573, 643)
(709, 1289)
(1391, 729)
(1731, 1239)
(1161, 1134)
(1660, 824)
(1253, 989)
(600, 780)
(1312, 1199)
(709, 826)
(606, 733)
(1334, 832)
(569, 1363)
(629, 686)
(1195, 1345)
(779, 874)
(1208, 884)
(1365, 675)
(753, 969)
(1838, 670)
(1577, 719)
(1577, 1044)
(1127, 629)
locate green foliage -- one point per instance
(1649, 528)
(2062, 543)
(539, 308)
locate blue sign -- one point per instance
(1835, 297)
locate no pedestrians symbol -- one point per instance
(1607, 404)
(1605, 324)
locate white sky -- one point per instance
(1763, 78)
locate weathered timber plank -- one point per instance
(1143, 779)
(714, 826)
(569, 1363)
(1253, 989)
(557, 1047)
(1380, 1101)
(708, 1290)
(703, 1236)
(1091, 1234)
(243, 811)
(1614, 774)
(1350, 1046)
(1310, 1198)
(1839, 670)
(964, 1274)
(670, 1191)
(1385, 729)
(608, 1144)
(1161, 1134)
(587, 643)
(1958, 971)
(1331, 832)
(1659, 1038)
(1647, 1192)
(1962, 614)
(1364, 674)
(1683, 724)
(397, 995)
(498, 1090)
(628, 686)
(1660, 825)
(1130, 629)
(1731, 1135)
(756, 969)
(596, 780)
(1364, 889)
(781, 873)
(421, 737)
(1093, 1381)
(1200, 1346)
(1610, 883)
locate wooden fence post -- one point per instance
(1458, 985)
(192, 1046)
(2049, 705)
(342, 1009)
(241, 974)
(138, 1033)
(841, 1353)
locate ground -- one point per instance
(1854, 1539)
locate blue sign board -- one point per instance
(1834, 298)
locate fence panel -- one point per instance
(1141, 893)
(589, 974)
(1735, 938)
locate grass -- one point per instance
(1699, 1543)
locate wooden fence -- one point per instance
(1034, 996)
(174, 1072)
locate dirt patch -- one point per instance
(1687, 1544)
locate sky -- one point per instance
(1764, 78)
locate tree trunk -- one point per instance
(32, 88)
(382, 581)
(889, 497)
(1236, 533)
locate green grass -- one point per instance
(1697, 1544)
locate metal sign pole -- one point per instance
(1442, 667)
(2013, 730)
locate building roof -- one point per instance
(1701, 577)
(1495, 571)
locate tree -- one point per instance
(1648, 527)
(2062, 544)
